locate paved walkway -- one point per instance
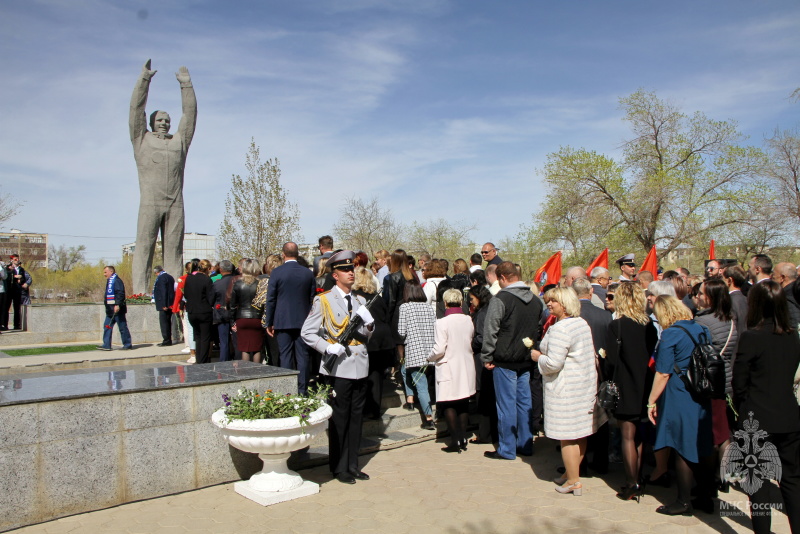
(417, 489)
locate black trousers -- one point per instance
(165, 321)
(537, 400)
(3, 310)
(14, 296)
(201, 324)
(344, 430)
(788, 446)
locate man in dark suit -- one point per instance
(163, 297)
(600, 279)
(734, 277)
(291, 290)
(599, 321)
(116, 310)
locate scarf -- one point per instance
(110, 300)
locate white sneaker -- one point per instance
(191, 360)
(187, 350)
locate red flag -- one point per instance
(551, 269)
(650, 263)
(600, 261)
(712, 253)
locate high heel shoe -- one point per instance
(664, 481)
(452, 448)
(630, 493)
(676, 508)
(575, 489)
(462, 445)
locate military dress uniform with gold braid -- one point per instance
(328, 318)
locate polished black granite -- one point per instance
(57, 385)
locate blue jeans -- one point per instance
(108, 329)
(415, 380)
(513, 392)
(224, 331)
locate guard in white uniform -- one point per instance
(330, 314)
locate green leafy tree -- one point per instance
(677, 184)
(259, 218)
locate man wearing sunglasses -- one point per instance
(713, 269)
(489, 253)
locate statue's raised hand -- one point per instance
(146, 72)
(183, 75)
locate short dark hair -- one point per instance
(767, 302)
(736, 274)
(158, 268)
(326, 241)
(507, 270)
(413, 292)
(764, 262)
(475, 259)
(111, 268)
(478, 277)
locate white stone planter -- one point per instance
(273, 440)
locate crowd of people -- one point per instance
(477, 338)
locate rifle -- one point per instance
(349, 333)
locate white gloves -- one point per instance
(336, 349)
(364, 313)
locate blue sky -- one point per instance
(438, 108)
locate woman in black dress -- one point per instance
(763, 372)
(631, 340)
(380, 347)
(199, 294)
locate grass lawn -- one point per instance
(50, 350)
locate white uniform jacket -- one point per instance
(354, 365)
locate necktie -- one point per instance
(349, 304)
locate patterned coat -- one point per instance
(569, 374)
(417, 324)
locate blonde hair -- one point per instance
(567, 297)
(204, 266)
(630, 301)
(249, 269)
(669, 310)
(364, 280)
(273, 260)
(453, 298)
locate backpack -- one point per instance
(704, 378)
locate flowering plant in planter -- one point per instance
(250, 404)
(138, 298)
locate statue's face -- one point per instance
(161, 122)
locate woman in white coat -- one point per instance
(455, 368)
(568, 367)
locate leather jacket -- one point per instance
(241, 300)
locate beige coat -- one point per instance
(452, 352)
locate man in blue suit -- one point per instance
(163, 297)
(291, 290)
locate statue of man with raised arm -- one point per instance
(160, 159)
